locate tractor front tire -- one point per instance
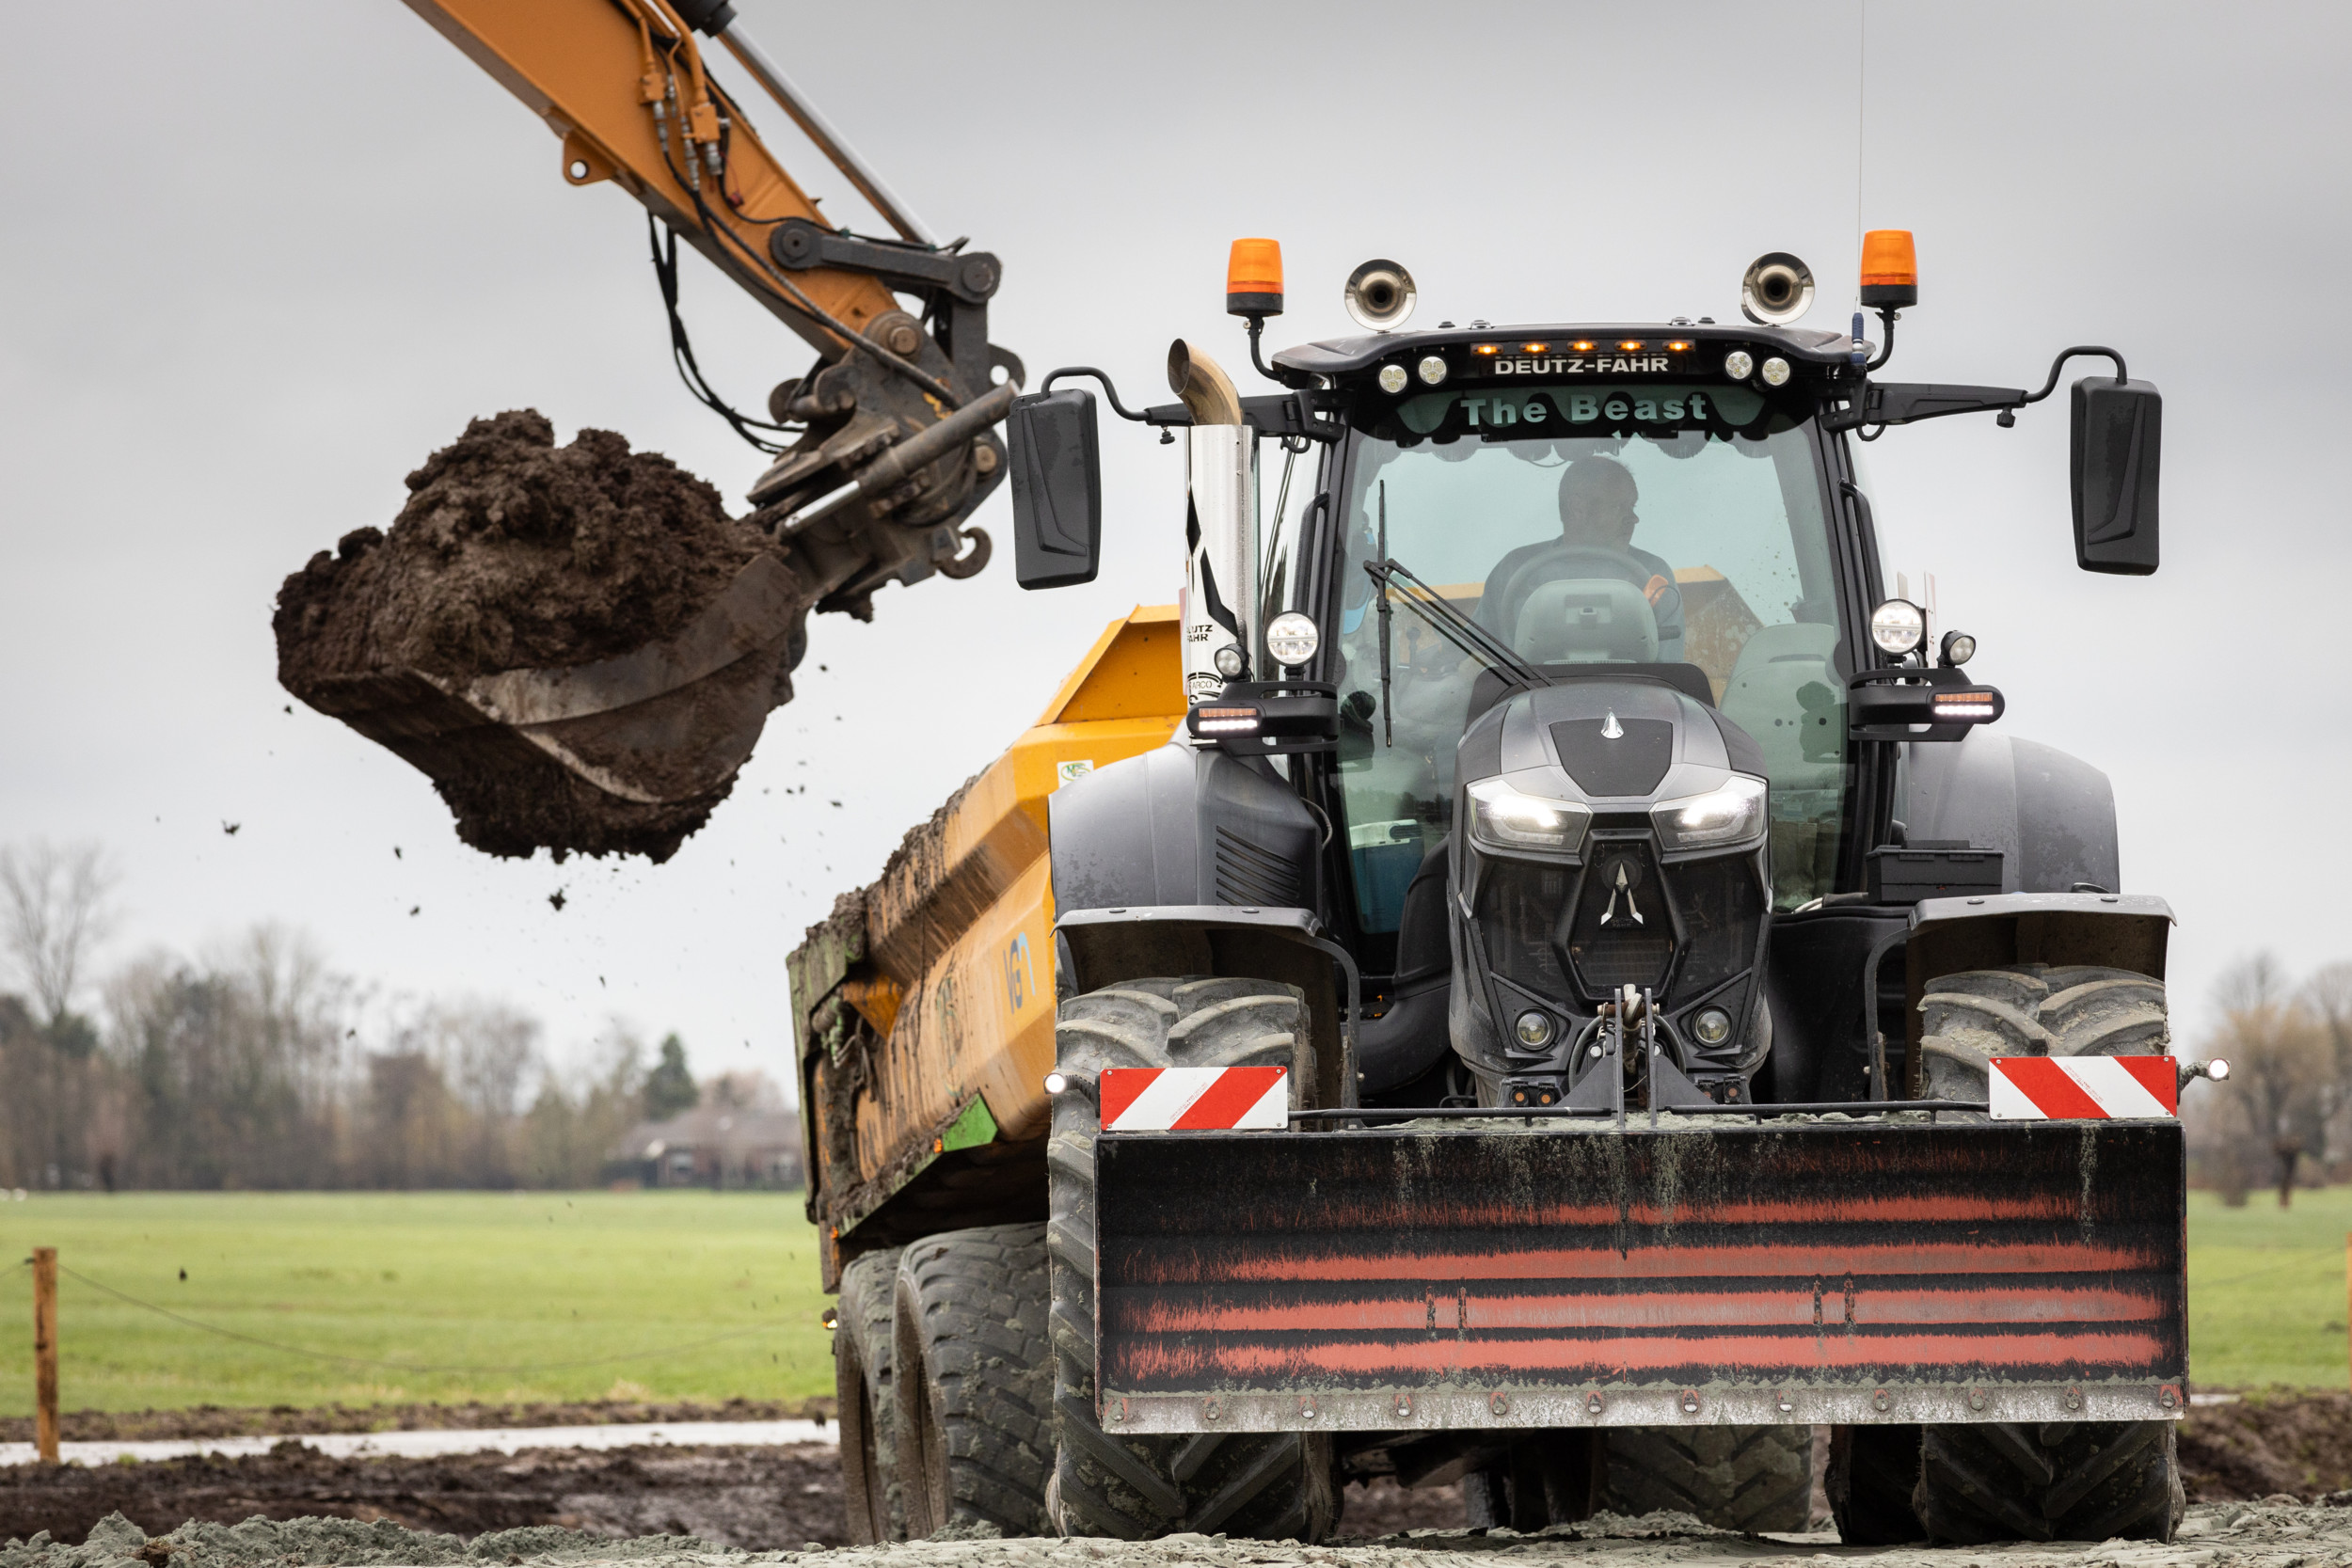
(1262, 1485)
(2057, 1480)
(2034, 1010)
(1742, 1478)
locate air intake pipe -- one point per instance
(1221, 528)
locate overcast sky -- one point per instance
(262, 259)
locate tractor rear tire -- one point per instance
(1873, 1471)
(2060, 1480)
(974, 1381)
(2034, 1010)
(1261, 1486)
(864, 1396)
(1742, 1478)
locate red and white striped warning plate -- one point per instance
(1194, 1099)
(2082, 1088)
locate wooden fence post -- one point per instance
(45, 1352)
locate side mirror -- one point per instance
(1056, 488)
(2119, 426)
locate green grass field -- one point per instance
(2266, 1289)
(511, 1284)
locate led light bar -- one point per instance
(1966, 707)
(1226, 720)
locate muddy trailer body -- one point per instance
(1570, 996)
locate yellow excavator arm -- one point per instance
(622, 84)
(881, 451)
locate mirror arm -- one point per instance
(2064, 355)
(1109, 391)
(1889, 403)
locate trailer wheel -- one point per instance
(1262, 1485)
(1742, 1478)
(1873, 1470)
(2062, 1480)
(860, 1382)
(974, 1381)
(2034, 1010)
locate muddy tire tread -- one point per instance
(970, 1320)
(1261, 1485)
(860, 1349)
(2104, 1480)
(2034, 1010)
(1744, 1478)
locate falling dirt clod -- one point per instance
(575, 644)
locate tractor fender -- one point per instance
(1192, 861)
(1947, 936)
(1179, 826)
(2050, 814)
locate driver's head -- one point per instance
(1597, 497)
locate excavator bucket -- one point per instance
(624, 756)
(575, 644)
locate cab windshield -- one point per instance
(1673, 537)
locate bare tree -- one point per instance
(2281, 1062)
(54, 909)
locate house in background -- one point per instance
(714, 1144)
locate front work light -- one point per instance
(1292, 639)
(1733, 813)
(1959, 648)
(1229, 661)
(1898, 627)
(1433, 369)
(1394, 379)
(1739, 364)
(1503, 818)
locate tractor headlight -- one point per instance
(1292, 639)
(1733, 813)
(1503, 818)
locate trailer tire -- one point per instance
(974, 1381)
(1873, 1471)
(1742, 1478)
(1262, 1485)
(2060, 1480)
(2034, 1010)
(863, 1397)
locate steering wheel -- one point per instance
(1561, 562)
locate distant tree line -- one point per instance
(260, 1066)
(2284, 1117)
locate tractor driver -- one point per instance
(1597, 522)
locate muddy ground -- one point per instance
(2229, 1535)
(2258, 1472)
(752, 1498)
(217, 1420)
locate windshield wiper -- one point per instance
(1447, 622)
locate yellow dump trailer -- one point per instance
(924, 1003)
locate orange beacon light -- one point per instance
(1253, 279)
